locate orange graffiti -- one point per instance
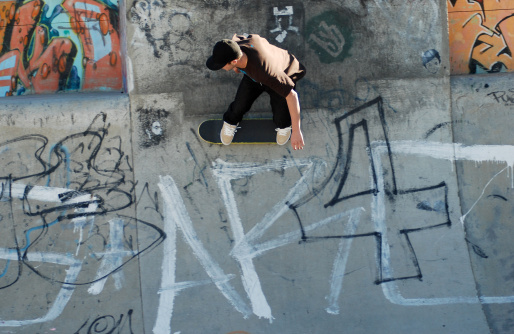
(50, 61)
(481, 35)
(6, 16)
(100, 41)
(25, 19)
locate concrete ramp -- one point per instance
(395, 218)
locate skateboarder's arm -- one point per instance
(294, 110)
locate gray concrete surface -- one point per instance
(395, 218)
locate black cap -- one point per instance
(223, 53)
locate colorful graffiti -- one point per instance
(54, 46)
(481, 36)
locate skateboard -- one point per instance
(252, 131)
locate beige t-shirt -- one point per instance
(270, 65)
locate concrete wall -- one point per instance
(395, 218)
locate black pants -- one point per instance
(247, 92)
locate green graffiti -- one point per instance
(329, 35)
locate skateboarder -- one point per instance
(266, 68)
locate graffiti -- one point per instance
(153, 129)
(358, 121)
(329, 39)
(481, 36)
(503, 97)
(431, 61)
(108, 324)
(81, 184)
(74, 231)
(284, 25)
(330, 36)
(397, 253)
(71, 46)
(175, 217)
(96, 26)
(442, 126)
(168, 33)
(245, 245)
(197, 166)
(280, 14)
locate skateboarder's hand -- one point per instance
(297, 140)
